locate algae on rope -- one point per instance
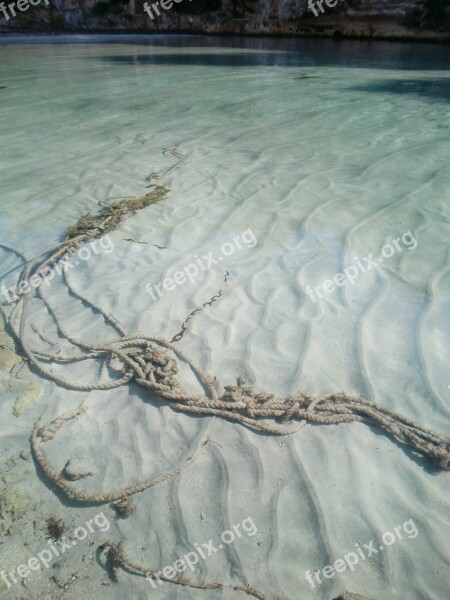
(111, 216)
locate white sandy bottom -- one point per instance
(321, 174)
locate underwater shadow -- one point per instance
(426, 464)
(437, 88)
(235, 59)
(211, 51)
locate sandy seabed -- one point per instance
(326, 152)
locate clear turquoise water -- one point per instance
(327, 150)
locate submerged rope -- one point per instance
(146, 360)
(152, 362)
(118, 559)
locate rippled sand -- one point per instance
(325, 151)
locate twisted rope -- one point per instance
(119, 560)
(152, 362)
(146, 360)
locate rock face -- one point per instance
(413, 19)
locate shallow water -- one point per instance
(314, 155)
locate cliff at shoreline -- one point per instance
(387, 19)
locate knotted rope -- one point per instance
(152, 362)
(146, 360)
